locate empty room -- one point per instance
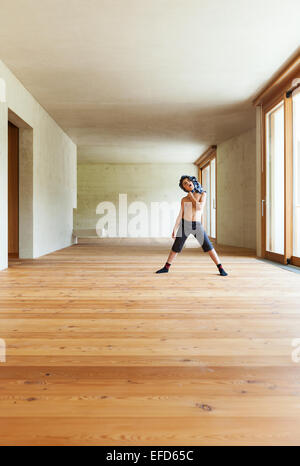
(149, 224)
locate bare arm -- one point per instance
(178, 220)
(198, 204)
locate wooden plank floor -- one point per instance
(102, 351)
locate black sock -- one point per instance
(221, 270)
(165, 268)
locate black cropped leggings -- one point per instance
(188, 227)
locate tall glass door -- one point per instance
(213, 200)
(208, 180)
(296, 179)
(206, 185)
(273, 204)
(279, 125)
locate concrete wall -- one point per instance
(141, 182)
(236, 191)
(53, 173)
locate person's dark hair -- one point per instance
(197, 186)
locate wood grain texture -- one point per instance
(102, 351)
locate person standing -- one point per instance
(189, 222)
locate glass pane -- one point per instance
(213, 198)
(275, 180)
(296, 171)
(206, 186)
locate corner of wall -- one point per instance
(3, 176)
(26, 193)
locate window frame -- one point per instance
(279, 90)
(295, 260)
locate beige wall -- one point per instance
(236, 194)
(51, 166)
(141, 182)
(236, 190)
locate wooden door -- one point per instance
(13, 190)
(295, 259)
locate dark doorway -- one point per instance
(13, 190)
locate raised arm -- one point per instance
(199, 204)
(202, 201)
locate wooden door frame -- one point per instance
(288, 179)
(267, 254)
(202, 162)
(26, 185)
(280, 88)
(202, 169)
(293, 259)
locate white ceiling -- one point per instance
(147, 80)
